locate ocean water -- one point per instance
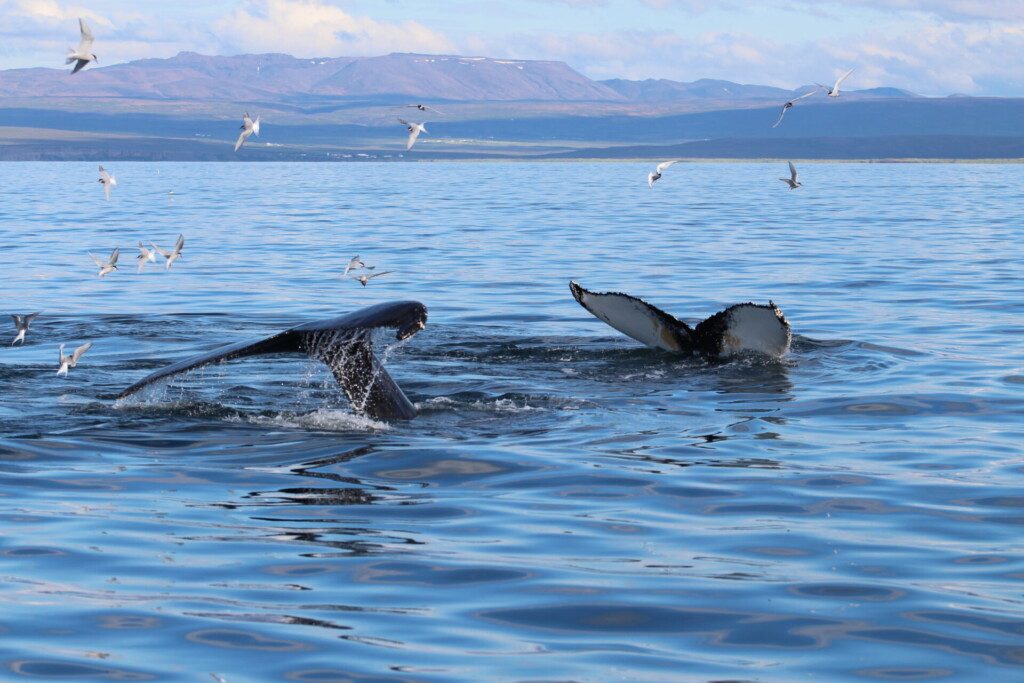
(568, 505)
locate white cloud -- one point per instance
(310, 28)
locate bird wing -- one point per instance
(256, 125)
(113, 256)
(373, 275)
(79, 65)
(86, 43)
(162, 252)
(80, 351)
(807, 94)
(841, 79)
(241, 138)
(414, 132)
(792, 171)
(17, 320)
(60, 354)
(180, 244)
(665, 164)
(106, 191)
(650, 180)
(246, 121)
(96, 260)
(436, 110)
(30, 317)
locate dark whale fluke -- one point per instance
(343, 344)
(738, 329)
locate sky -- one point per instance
(931, 47)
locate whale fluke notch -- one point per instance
(344, 344)
(741, 328)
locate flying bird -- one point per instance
(791, 180)
(248, 128)
(174, 254)
(21, 322)
(71, 361)
(656, 175)
(789, 105)
(363, 279)
(423, 107)
(110, 265)
(356, 263)
(414, 132)
(83, 55)
(145, 255)
(834, 90)
(108, 181)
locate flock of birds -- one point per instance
(356, 268)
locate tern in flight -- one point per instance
(363, 279)
(248, 128)
(174, 254)
(656, 176)
(424, 107)
(145, 255)
(21, 322)
(834, 90)
(83, 55)
(108, 182)
(414, 132)
(789, 105)
(71, 361)
(791, 180)
(356, 263)
(110, 265)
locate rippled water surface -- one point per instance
(568, 505)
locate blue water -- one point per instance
(568, 505)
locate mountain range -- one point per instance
(346, 106)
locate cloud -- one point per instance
(310, 28)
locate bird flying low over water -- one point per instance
(656, 175)
(108, 181)
(791, 180)
(789, 105)
(145, 255)
(174, 254)
(834, 90)
(71, 361)
(108, 266)
(363, 279)
(414, 132)
(83, 55)
(356, 263)
(423, 107)
(248, 128)
(21, 323)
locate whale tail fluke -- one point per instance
(344, 344)
(741, 328)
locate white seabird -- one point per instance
(414, 132)
(789, 105)
(248, 128)
(83, 55)
(108, 266)
(21, 322)
(71, 361)
(363, 279)
(356, 263)
(424, 107)
(145, 255)
(791, 180)
(174, 254)
(656, 176)
(834, 90)
(108, 181)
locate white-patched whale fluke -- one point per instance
(249, 127)
(108, 266)
(21, 324)
(792, 179)
(108, 181)
(741, 328)
(344, 344)
(655, 176)
(67, 362)
(834, 90)
(789, 105)
(174, 254)
(83, 54)
(414, 132)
